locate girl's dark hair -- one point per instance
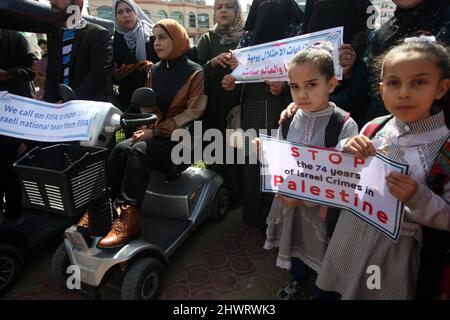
(320, 55)
(436, 52)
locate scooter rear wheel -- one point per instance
(221, 204)
(143, 280)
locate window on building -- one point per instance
(191, 20)
(162, 15)
(177, 15)
(203, 20)
(105, 12)
(147, 13)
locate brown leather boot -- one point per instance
(123, 229)
(84, 221)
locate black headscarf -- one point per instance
(325, 14)
(428, 16)
(269, 19)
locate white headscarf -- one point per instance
(140, 34)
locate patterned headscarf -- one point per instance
(232, 33)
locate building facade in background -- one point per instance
(197, 17)
(194, 15)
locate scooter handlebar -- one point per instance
(66, 93)
(137, 122)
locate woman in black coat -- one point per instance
(133, 52)
(262, 103)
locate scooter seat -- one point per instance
(171, 170)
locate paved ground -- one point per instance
(223, 260)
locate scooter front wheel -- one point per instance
(220, 205)
(60, 263)
(143, 280)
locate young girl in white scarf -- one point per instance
(414, 76)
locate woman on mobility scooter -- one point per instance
(179, 85)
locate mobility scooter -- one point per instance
(177, 200)
(36, 230)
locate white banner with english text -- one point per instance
(333, 178)
(29, 119)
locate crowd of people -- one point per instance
(404, 82)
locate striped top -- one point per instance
(67, 42)
(356, 245)
(301, 232)
(309, 128)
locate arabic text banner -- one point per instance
(333, 178)
(30, 119)
(269, 61)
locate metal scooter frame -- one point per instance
(179, 205)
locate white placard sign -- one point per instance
(333, 178)
(269, 61)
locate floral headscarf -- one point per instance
(232, 33)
